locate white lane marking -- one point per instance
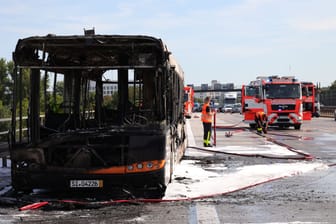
(207, 214)
(192, 214)
(191, 138)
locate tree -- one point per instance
(5, 94)
(6, 87)
(5, 82)
(333, 86)
(4, 111)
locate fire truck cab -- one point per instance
(279, 97)
(188, 101)
(310, 100)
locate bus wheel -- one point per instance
(156, 192)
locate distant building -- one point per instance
(219, 96)
(217, 86)
(108, 88)
(204, 87)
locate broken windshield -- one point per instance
(282, 91)
(81, 82)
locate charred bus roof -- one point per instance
(57, 53)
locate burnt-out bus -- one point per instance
(105, 112)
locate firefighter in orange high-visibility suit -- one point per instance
(261, 122)
(207, 122)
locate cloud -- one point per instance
(327, 24)
(248, 32)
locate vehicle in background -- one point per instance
(227, 108)
(317, 112)
(196, 107)
(230, 98)
(236, 108)
(199, 108)
(215, 107)
(279, 97)
(188, 101)
(310, 101)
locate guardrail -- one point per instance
(4, 154)
(328, 111)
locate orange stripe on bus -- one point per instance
(145, 166)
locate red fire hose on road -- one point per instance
(77, 204)
(97, 204)
(230, 127)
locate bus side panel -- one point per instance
(33, 169)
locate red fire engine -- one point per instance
(279, 97)
(188, 101)
(310, 101)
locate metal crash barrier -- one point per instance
(328, 111)
(4, 154)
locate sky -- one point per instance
(231, 41)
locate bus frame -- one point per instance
(188, 101)
(77, 136)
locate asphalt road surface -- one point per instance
(247, 178)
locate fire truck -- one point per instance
(310, 99)
(279, 97)
(188, 101)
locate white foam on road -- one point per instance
(266, 149)
(269, 149)
(192, 181)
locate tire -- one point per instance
(297, 126)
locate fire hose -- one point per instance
(302, 155)
(79, 204)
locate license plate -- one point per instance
(86, 183)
